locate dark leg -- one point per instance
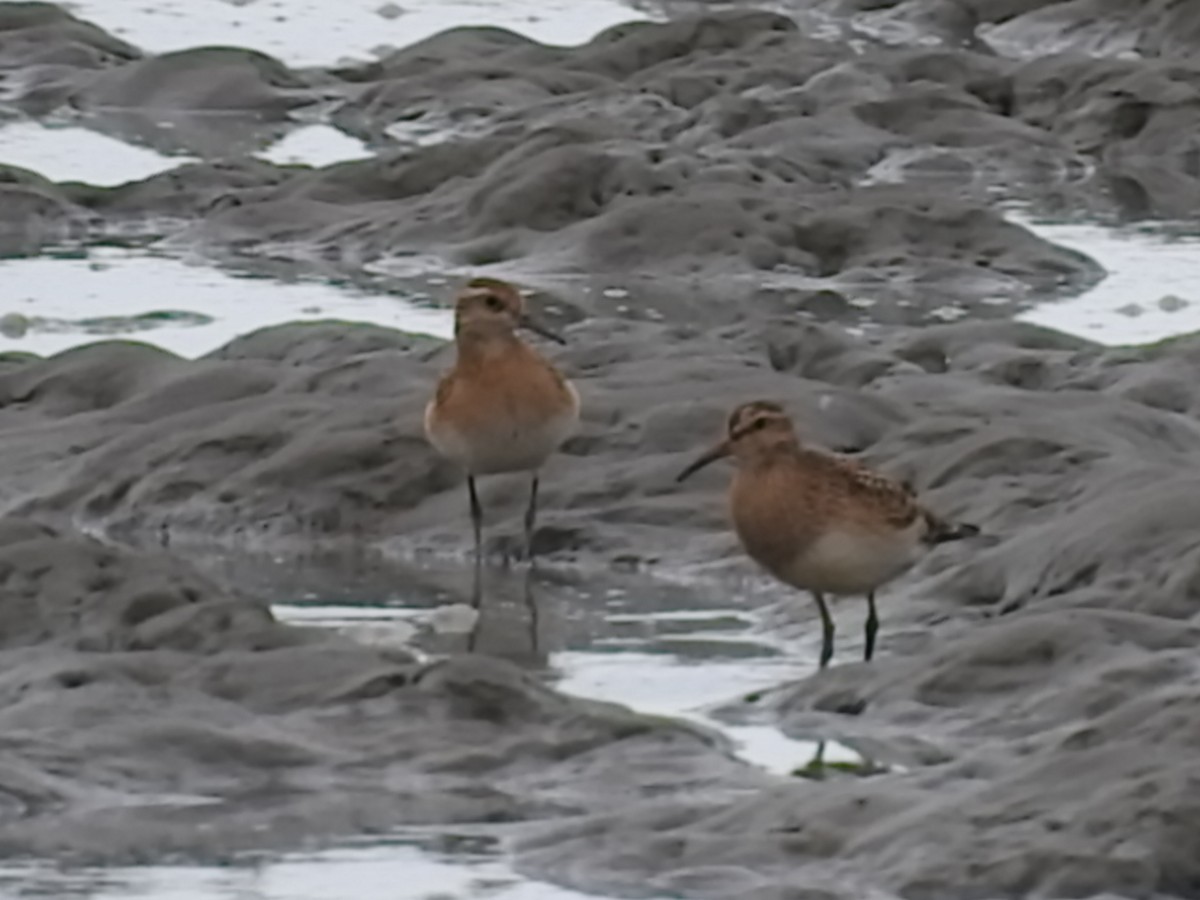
(872, 627)
(477, 525)
(531, 518)
(826, 629)
(534, 613)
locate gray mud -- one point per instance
(149, 714)
(786, 210)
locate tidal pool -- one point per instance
(68, 151)
(317, 32)
(425, 867)
(657, 647)
(50, 304)
(1151, 291)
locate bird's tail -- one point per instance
(940, 531)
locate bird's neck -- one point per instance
(478, 343)
(772, 451)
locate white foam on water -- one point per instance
(51, 295)
(324, 32)
(1151, 292)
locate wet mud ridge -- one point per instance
(753, 185)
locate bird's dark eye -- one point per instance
(493, 303)
(760, 424)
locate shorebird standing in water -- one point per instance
(817, 522)
(502, 408)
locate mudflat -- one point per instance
(785, 210)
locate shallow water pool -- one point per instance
(658, 647)
(52, 303)
(448, 866)
(1151, 292)
(318, 32)
(66, 151)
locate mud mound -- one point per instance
(1020, 674)
(205, 79)
(732, 145)
(1128, 117)
(1149, 27)
(313, 432)
(1039, 685)
(692, 147)
(35, 214)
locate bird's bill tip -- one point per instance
(706, 458)
(537, 327)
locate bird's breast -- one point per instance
(491, 423)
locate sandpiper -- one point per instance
(818, 522)
(502, 407)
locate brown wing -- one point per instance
(445, 388)
(895, 500)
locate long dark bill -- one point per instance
(707, 458)
(528, 321)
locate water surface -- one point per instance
(52, 303)
(320, 32)
(1151, 291)
(70, 151)
(659, 647)
(449, 866)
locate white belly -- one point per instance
(505, 445)
(854, 562)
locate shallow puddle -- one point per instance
(51, 304)
(73, 152)
(315, 145)
(1151, 292)
(658, 647)
(443, 866)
